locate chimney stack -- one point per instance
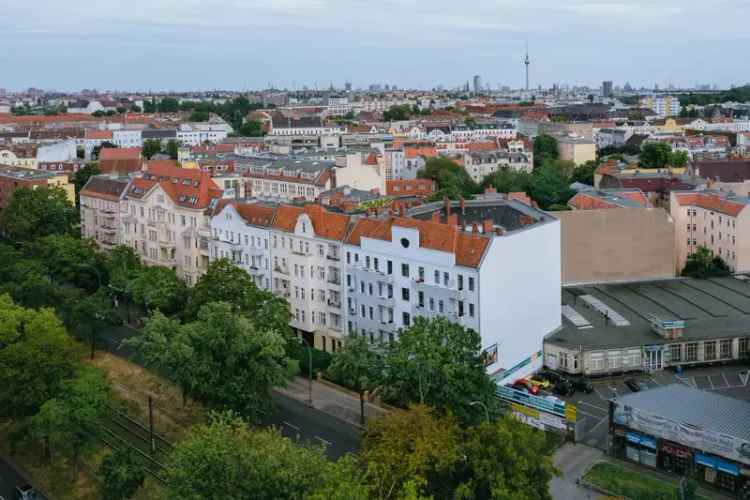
(487, 226)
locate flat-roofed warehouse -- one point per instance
(615, 328)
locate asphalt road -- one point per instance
(295, 420)
(10, 478)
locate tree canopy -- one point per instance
(122, 474)
(660, 155)
(453, 181)
(703, 264)
(438, 363)
(545, 149)
(82, 176)
(33, 213)
(159, 288)
(357, 366)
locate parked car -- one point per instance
(634, 385)
(26, 492)
(550, 375)
(583, 384)
(524, 385)
(541, 382)
(564, 388)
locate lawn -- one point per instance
(635, 485)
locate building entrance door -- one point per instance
(653, 359)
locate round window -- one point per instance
(405, 242)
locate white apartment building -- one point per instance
(288, 180)
(101, 201)
(492, 265)
(241, 233)
(715, 220)
(662, 105)
(126, 138)
(166, 219)
(306, 249)
(481, 164)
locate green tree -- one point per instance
(438, 363)
(227, 459)
(358, 367)
(71, 421)
(157, 287)
(655, 154)
(83, 175)
(550, 186)
(679, 158)
(72, 261)
(37, 355)
(398, 112)
(585, 173)
(252, 128)
(34, 213)
(508, 180)
(222, 359)
(505, 460)
(151, 147)
(89, 314)
(123, 266)
(703, 264)
(453, 181)
(545, 149)
(173, 149)
(168, 105)
(199, 116)
(122, 474)
(415, 450)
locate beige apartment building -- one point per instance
(166, 218)
(101, 210)
(716, 220)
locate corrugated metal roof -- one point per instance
(684, 404)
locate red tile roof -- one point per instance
(468, 248)
(43, 119)
(414, 152)
(188, 188)
(99, 134)
(710, 201)
(252, 213)
(329, 225)
(120, 153)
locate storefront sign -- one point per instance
(703, 439)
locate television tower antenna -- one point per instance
(526, 62)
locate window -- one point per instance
(432, 304)
(362, 286)
(445, 279)
(675, 353)
(743, 347)
(441, 306)
(363, 311)
(406, 319)
(367, 262)
(390, 267)
(437, 277)
(405, 270)
(691, 351)
(420, 298)
(376, 263)
(405, 294)
(471, 284)
(348, 257)
(460, 281)
(460, 308)
(709, 350)
(725, 349)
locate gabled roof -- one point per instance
(105, 187)
(610, 198)
(253, 214)
(188, 188)
(99, 134)
(468, 248)
(329, 225)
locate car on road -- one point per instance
(26, 492)
(582, 384)
(550, 375)
(634, 385)
(564, 388)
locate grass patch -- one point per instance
(134, 384)
(635, 485)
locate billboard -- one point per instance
(689, 435)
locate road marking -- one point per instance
(744, 375)
(654, 381)
(323, 441)
(605, 419)
(591, 415)
(291, 425)
(593, 406)
(710, 381)
(725, 379)
(599, 394)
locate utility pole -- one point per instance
(151, 424)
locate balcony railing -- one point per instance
(334, 280)
(282, 270)
(335, 258)
(334, 303)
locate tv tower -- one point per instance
(527, 62)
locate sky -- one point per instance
(140, 45)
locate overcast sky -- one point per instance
(239, 44)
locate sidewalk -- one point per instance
(573, 460)
(339, 403)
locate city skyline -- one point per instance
(243, 45)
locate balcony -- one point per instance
(336, 304)
(281, 270)
(334, 280)
(335, 258)
(301, 254)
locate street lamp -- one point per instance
(309, 363)
(486, 411)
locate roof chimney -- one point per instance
(487, 225)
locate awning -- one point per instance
(717, 463)
(637, 438)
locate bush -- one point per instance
(320, 361)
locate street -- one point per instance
(10, 478)
(295, 420)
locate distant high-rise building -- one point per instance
(477, 83)
(348, 86)
(607, 88)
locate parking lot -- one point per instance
(592, 409)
